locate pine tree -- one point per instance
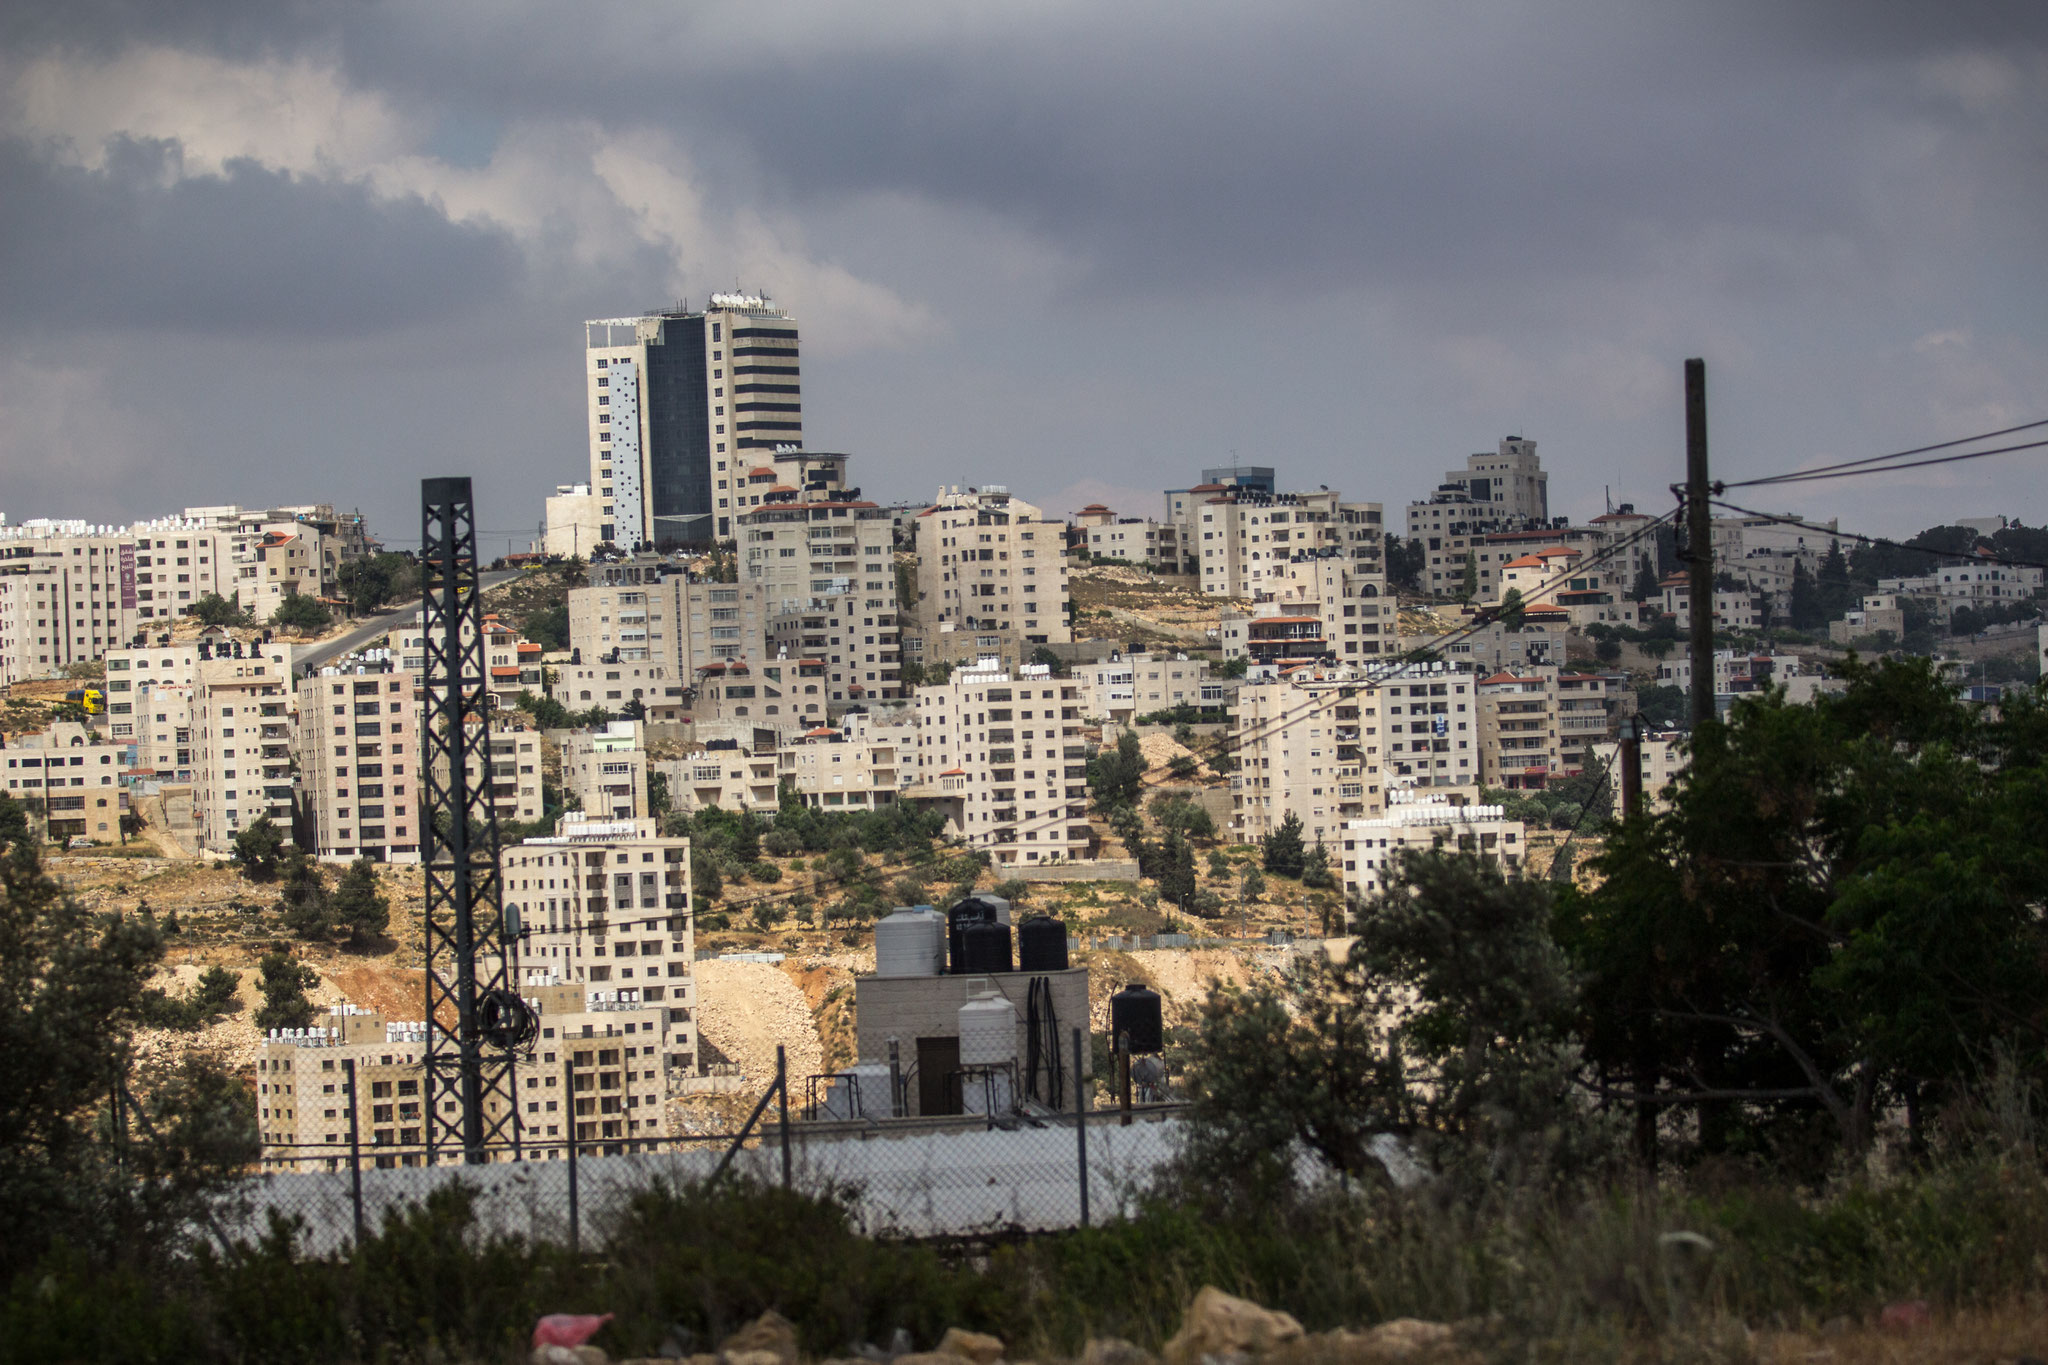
(1837, 594)
(302, 895)
(359, 905)
(1469, 587)
(1647, 585)
(1315, 868)
(284, 982)
(256, 849)
(1283, 851)
(1805, 610)
(1177, 870)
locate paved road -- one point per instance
(358, 636)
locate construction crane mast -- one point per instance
(476, 1021)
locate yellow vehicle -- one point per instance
(91, 698)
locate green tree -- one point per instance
(256, 849)
(14, 828)
(73, 986)
(746, 839)
(1315, 868)
(1253, 884)
(1513, 612)
(1647, 587)
(1177, 870)
(360, 906)
(1805, 612)
(1836, 910)
(302, 895)
(284, 981)
(1118, 775)
(301, 613)
(547, 626)
(547, 713)
(1282, 850)
(1184, 768)
(657, 794)
(366, 581)
(1833, 586)
(211, 609)
(1045, 655)
(1468, 586)
(705, 883)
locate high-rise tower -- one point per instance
(682, 405)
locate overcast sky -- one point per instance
(267, 251)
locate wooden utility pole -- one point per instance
(1699, 536)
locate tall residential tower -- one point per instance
(682, 405)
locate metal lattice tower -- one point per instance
(460, 842)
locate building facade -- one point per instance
(991, 580)
(680, 406)
(1003, 754)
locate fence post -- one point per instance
(897, 1107)
(569, 1114)
(1081, 1120)
(355, 1146)
(782, 1100)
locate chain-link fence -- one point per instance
(904, 1178)
(1007, 1167)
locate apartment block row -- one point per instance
(1332, 744)
(70, 591)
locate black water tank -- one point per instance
(1042, 945)
(985, 948)
(1135, 1010)
(971, 910)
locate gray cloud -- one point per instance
(253, 252)
(1359, 241)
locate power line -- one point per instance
(1969, 555)
(1877, 464)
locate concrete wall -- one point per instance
(1095, 870)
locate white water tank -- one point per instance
(872, 1089)
(988, 1031)
(1002, 907)
(911, 941)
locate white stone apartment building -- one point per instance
(656, 686)
(588, 1068)
(1244, 539)
(1315, 606)
(1003, 754)
(604, 771)
(1327, 743)
(802, 551)
(1977, 583)
(358, 761)
(572, 522)
(862, 766)
(606, 904)
(783, 695)
(1538, 724)
(858, 638)
(637, 614)
(1371, 852)
(242, 737)
(1156, 544)
(991, 580)
(75, 775)
(725, 773)
(1741, 609)
(1121, 689)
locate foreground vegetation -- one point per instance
(1778, 1062)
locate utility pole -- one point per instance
(1699, 548)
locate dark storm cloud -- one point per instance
(230, 27)
(252, 252)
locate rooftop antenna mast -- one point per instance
(475, 1024)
